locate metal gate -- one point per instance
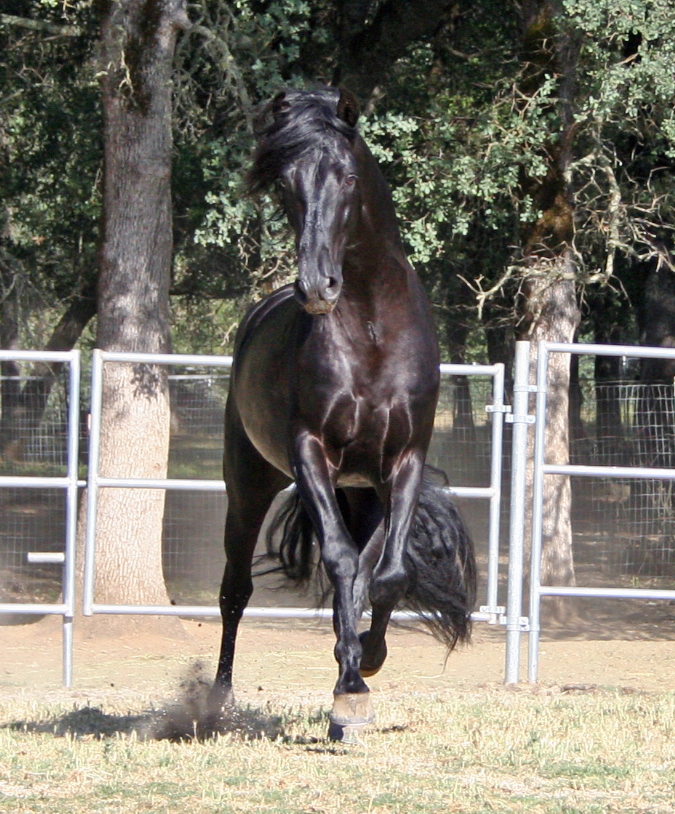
(542, 469)
(68, 483)
(491, 611)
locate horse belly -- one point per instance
(262, 404)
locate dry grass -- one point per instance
(492, 750)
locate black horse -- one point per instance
(334, 386)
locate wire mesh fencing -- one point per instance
(622, 526)
(33, 443)
(626, 526)
(194, 521)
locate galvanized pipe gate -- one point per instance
(69, 484)
(510, 615)
(491, 611)
(543, 469)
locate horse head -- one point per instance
(305, 147)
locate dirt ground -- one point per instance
(295, 657)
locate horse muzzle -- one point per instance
(319, 297)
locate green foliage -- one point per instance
(237, 56)
(50, 155)
(623, 172)
(460, 129)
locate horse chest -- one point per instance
(363, 441)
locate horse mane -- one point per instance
(293, 122)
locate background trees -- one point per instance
(530, 146)
(469, 107)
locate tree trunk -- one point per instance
(657, 324)
(557, 318)
(137, 46)
(609, 316)
(655, 416)
(549, 305)
(10, 386)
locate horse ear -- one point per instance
(348, 107)
(280, 105)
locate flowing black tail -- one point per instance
(441, 567)
(439, 559)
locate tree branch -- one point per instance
(40, 25)
(368, 50)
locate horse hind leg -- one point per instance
(252, 485)
(390, 576)
(374, 651)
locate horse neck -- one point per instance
(375, 264)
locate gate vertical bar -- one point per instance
(514, 605)
(537, 511)
(496, 486)
(71, 516)
(92, 480)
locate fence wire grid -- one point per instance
(629, 523)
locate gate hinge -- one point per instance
(519, 419)
(494, 408)
(522, 621)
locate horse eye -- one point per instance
(350, 180)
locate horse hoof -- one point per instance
(351, 714)
(366, 668)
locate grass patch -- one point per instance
(490, 751)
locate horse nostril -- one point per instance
(300, 291)
(332, 287)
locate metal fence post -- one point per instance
(92, 481)
(521, 421)
(498, 411)
(71, 516)
(538, 510)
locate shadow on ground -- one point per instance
(185, 719)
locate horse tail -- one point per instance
(441, 567)
(439, 560)
(291, 539)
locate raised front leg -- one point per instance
(338, 552)
(390, 579)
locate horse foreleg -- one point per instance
(351, 708)
(339, 554)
